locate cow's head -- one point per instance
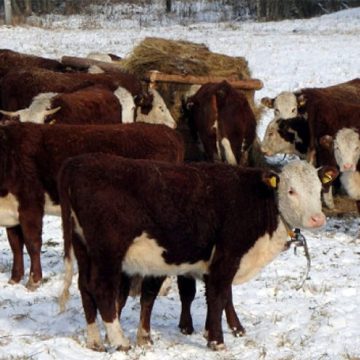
(159, 113)
(286, 105)
(299, 187)
(346, 147)
(286, 136)
(38, 112)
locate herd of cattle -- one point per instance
(102, 151)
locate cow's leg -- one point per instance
(16, 241)
(358, 206)
(93, 339)
(125, 283)
(218, 288)
(232, 318)
(31, 224)
(105, 286)
(328, 197)
(149, 290)
(187, 290)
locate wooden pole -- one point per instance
(249, 84)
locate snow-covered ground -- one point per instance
(320, 321)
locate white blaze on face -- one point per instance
(273, 143)
(127, 105)
(159, 114)
(285, 105)
(347, 149)
(299, 193)
(38, 109)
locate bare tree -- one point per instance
(8, 12)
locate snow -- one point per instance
(319, 321)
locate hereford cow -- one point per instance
(300, 135)
(219, 222)
(223, 120)
(346, 147)
(91, 105)
(136, 105)
(11, 59)
(20, 86)
(291, 104)
(31, 156)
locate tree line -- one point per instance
(263, 10)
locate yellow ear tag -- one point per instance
(273, 182)
(327, 178)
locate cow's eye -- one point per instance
(291, 192)
(271, 134)
(293, 111)
(277, 112)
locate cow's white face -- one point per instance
(285, 106)
(299, 192)
(127, 105)
(273, 143)
(38, 110)
(159, 113)
(347, 149)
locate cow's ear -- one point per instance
(268, 102)
(301, 100)
(327, 174)
(271, 179)
(326, 142)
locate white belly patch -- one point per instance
(144, 257)
(264, 250)
(9, 214)
(50, 207)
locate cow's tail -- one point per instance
(67, 224)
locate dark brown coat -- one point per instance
(31, 156)
(223, 120)
(20, 86)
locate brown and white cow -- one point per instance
(346, 147)
(324, 115)
(10, 59)
(30, 158)
(20, 86)
(288, 104)
(219, 222)
(91, 105)
(223, 120)
(72, 93)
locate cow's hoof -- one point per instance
(13, 281)
(144, 341)
(186, 330)
(238, 332)
(214, 345)
(33, 285)
(96, 347)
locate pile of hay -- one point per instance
(184, 58)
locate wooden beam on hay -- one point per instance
(156, 76)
